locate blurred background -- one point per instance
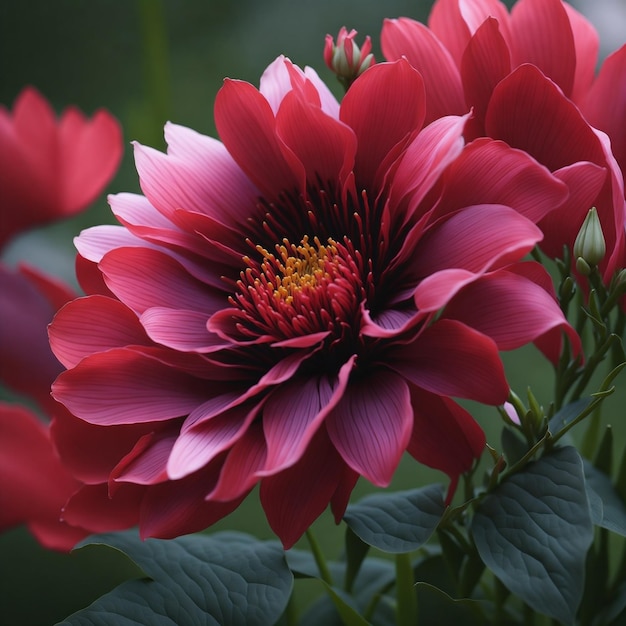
(149, 61)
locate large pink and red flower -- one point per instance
(528, 77)
(297, 305)
(52, 169)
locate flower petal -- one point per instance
(445, 436)
(295, 497)
(407, 38)
(371, 425)
(452, 359)
(122, 386)
(385, 105)
(491, 172)
(71, 332)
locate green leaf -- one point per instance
(227, 578)
(437, 607)
(568, 414)
(534, 530)
(513, 445)
(607, 509)
(397, 522)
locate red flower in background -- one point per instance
(48, 171)
(526, 76)
(52, 169)
(294, 306)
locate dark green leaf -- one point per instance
(437, 607)
(607, 508)
(397, 522)
(227, 578)
(534, 531)
(568, 414)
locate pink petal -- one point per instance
(586, 43)
(485, 63)
(529, 112)
(245, 459)
(455, 21)
(452, 359)
(325, 147)
(383, 107)
(146, 463)
(542, 35)
(295, 497)
(328, 102)
(510, 309)
(425, 159)
(122, 386)
(476, 239)
(93, 243)
(180, 330)
(72, 335)
(407, 38)
(199, 444)
(445, 436)
(341, 497)
(605, 104)
(246, 125)
(143, 278)
(490, 172)
(371, 425)
(294, 412)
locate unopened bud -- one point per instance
(582, 267)
(590, 245)
(345, 58)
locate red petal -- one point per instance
(246, 125)
(524, 311)
(383, 107)
(586, 43)
(122, 386)
(33, 483)
(371, 425)
(542, 35)
(452, 359)
(72, 334)
(490, 172)
(295, 497)
(407, 38)
(445, 436)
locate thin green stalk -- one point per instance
(320, 561)
(406, 610)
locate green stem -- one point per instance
(155, 59)
(319, 558)
(406, 611)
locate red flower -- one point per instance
(294, 306)
(49, 169)
(33, 482)
(523, 76)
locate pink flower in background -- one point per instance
(34, 485)
(52, 169)
(48, 170)
(296, 306)
(526, 76)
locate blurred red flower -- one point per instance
(52, 169)
(296, 305)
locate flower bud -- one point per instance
(346, 59)
(590, 245)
